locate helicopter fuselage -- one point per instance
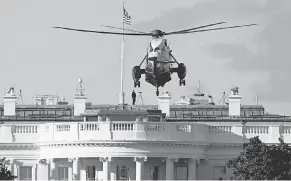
(159, 65)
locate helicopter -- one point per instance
(159, 57)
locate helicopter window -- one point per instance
(156, 49)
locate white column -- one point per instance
(192, 169)
(170, 168)
(106, 167)
(15, 170)
(82, 170)
(52, 167)
(139, 167)
(113, 171)
(9, 163)
(70, 173)
(33, 169)
(73, 169)
(42, 170)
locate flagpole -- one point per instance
(122, 94)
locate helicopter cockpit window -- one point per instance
(156, 49)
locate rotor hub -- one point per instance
(157, 33)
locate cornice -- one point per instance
(225, 145)
(121, 143)
(18, 145)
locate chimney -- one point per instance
(9, 102)
(164, 103)
(234, 102)
(79, 100)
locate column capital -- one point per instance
(47, 160)
(74, 159)
(140, 159)
(105, 159)
(8, 161)
(193, 160)
(44, 161)
(170, 159)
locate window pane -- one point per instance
(219, 172)
(154, 173)
(25, 173)
(63, 173)
(90, 173)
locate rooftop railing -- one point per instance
(142, 131)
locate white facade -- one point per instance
(127, 143)
(118, 150)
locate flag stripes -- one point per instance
(126, 17)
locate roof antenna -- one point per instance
(257, 99)
(198, 87)
(19, 97)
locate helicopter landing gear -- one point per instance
(158, 92)
(137, 84)
(182, 82)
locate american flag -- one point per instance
(126, 17)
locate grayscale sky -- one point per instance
(41, 60)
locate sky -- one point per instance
(41, 60)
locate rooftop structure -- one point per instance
(123, 142)
(49, 100)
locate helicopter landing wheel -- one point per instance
(182, 82)
(137, 84)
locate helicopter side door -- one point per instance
(163, 57)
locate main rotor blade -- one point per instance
(104, 32)
(122, 29)
(216, 29)
(190, 29)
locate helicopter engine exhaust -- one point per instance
(136, 73)
(182, 71)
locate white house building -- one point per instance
(122, 142)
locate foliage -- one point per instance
(5, 174)
(259, 161)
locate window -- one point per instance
(155, 173)
(63, 173)
(25, 173)
(90, 173)
(219, 172)
(122, 172)
(181, 172)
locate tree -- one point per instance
(5, 174)
(259, 161)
